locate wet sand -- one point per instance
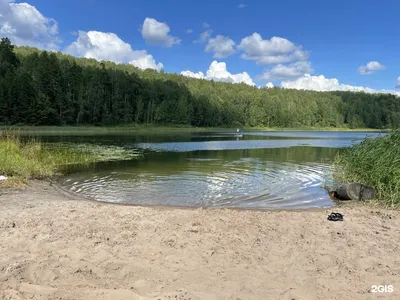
(55, 246)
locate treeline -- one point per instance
(48, 88)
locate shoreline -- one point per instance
(60, 247)
(78, 197)
(162, 129)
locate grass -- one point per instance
(375, 162)
(31, 159)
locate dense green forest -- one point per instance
(49, 88)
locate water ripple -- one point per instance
(243, 183)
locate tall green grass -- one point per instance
(375, 162)
(31, 159)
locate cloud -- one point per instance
(198, 75)
(189, 31)
(204, 36)
(218, 72)
(320, 83)
(25, 25)
(242, 5)
(221, 46)
(206, 25)
(269, 85)
(157, 33)
(274, 51)
(289, 72)
(145, 61)
(398, 82)
(370, 68)
(108, 46)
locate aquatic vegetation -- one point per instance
(101, 152)
(375, 162)
(30, 159)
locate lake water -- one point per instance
(253, 170)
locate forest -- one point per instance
(51, 88)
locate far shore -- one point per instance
(162, 129)
(56, 246)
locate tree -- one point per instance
(8, 59)
(47, 88)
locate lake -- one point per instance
(252, 170)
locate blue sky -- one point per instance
(322, 45)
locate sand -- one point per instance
(55, 246)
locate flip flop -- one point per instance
(335, 217)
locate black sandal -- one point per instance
(335, 217)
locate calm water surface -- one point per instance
(254, 170)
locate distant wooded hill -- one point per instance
(47, 88)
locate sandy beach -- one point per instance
(56, 246)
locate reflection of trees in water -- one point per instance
(293, 154)
(128, 137)
(130, 140)
(168, 163)
(110, 139)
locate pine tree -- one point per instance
(38, 87)
(8, 67)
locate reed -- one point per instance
(22, 159)
(375, 162)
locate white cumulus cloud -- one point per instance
(144, 61)
(221, 46)
(204, 36)
(108, 46)
(274, 51)
(398, 82)
(242, 5)
(269, 85)
(157, 33)
(198, 75)
(287, 72)
(189, 31)
(320, 83)
(25, 25)
(218, 72)
(371, 67)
